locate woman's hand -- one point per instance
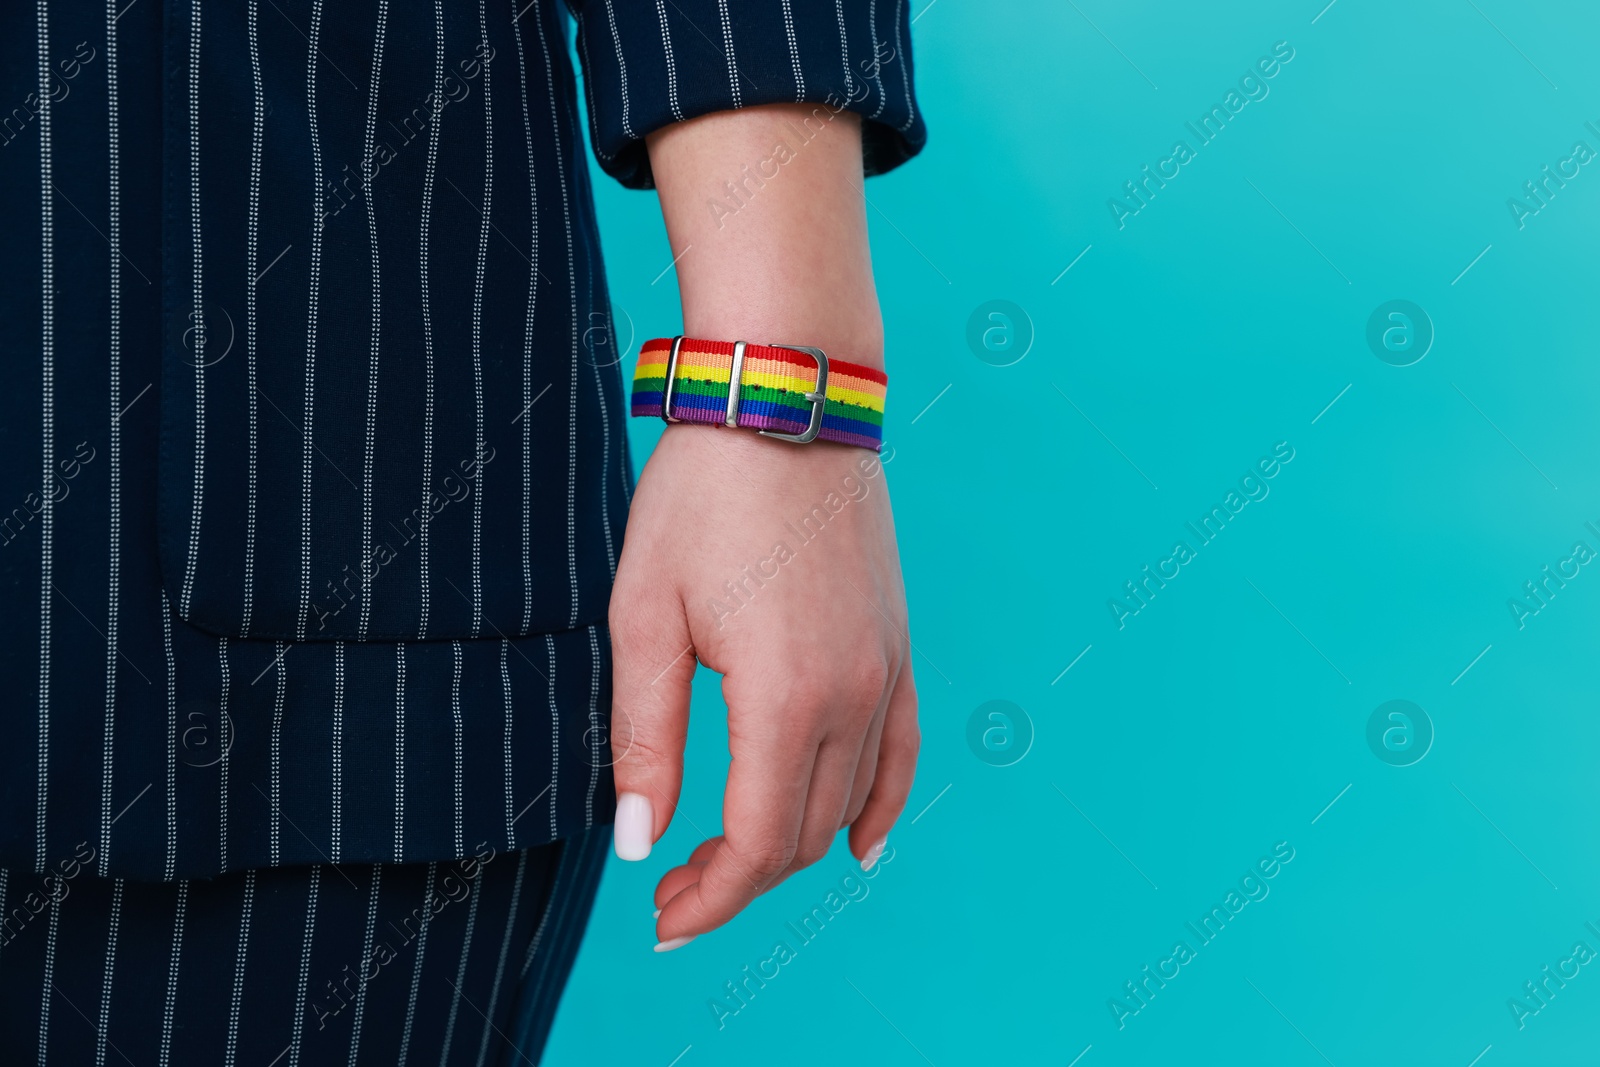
(774, 565)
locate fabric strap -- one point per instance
(772, 394)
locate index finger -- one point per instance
(762, 810)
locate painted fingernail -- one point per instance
(677, 942)
(872, 855)
(656, 914)
(635, 830)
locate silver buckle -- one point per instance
(817, 396)
(672, 374)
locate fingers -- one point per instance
(653, 668)
(762, 812)
(897, 766)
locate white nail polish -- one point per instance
(635, 829)
(872, 855)
(677, 942)
(656, 914)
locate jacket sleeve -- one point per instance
(648, 63)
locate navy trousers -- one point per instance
(451, 963)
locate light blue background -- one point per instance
(1220, 321)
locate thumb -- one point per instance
(653, 667)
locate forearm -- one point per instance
(766, 212)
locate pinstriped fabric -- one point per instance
(555, 736)
(459, 846)
(672, 62)
(276, 799)
(903, 35)
(844, 49)
(595, 732)
(336, 816)
(113, 927)
(505, 950)
(224, 739)
(377, 309)
(252, 261)
(313, 296)
(399, 753)
(477, 327)
(238, 970)
(114, 389)
(877, 59)
(791, 51)
(198, 315)
(461, 975)
(510, 765)
(528, 338)
(416, 965)
(301, 965)
(297, 1009)
(48, 986)
(366, 954)
(622, 68)
(171, 870)
(424, 229)
(572, 290)
(47, 333)
(727, 48)
(170, 1008)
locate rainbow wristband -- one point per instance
(791, 392)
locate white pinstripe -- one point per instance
(794, 53)
(114, 566)
(105, 982)
(366, 955)
(605, 431)
(555, 734)
(594, 726)
(336, 830)
(672, 63)
(170, 1008)
(622, 71)
(172, 740)
(461, 971)
(47, 416)
(4, 878)
(399, 752)
(238, 969)
(312, 300)
(199, 312)
(572, 292)
(903, 38)
(277, 750)
(377, 313)
(877, 58)
(305, 965)
(49, 977)
(527, 344)
(505, 949)
(425, 227)
(258, 124)
(477, 329)
(455, 713)
(224, 737)
(733, 63)
(844, 50)
(416, 965)
(505, 682)
(583, 43)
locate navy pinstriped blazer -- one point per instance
(311, 446)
